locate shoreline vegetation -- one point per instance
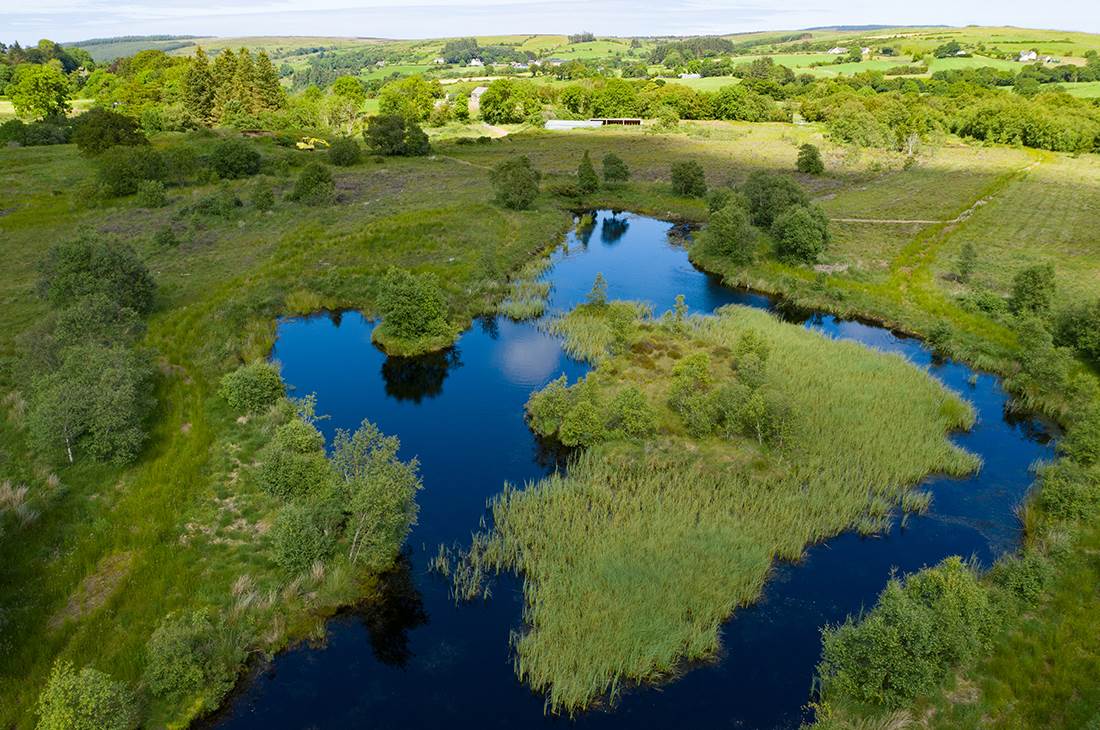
(714, 445)
(165, 543)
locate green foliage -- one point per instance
(615, 170)
(198, 88)
(85, 700)
(95, 402)
(411, 98)
(412, 306)
(234, 158)
(39, 91)
(150, 194)
(100, 129)
(392, 134)
(345, 152)
(380, 494)
(90, 265)
(97, 318)
(809, 160)
(769, 194)
(252, 388)
(516, 183)
(1033, 290)
(1023, 576)
(507, 101)
(968, 261)
(1068, 490)
(221, 203)
(597, 295)
(546, 408)
(688, 179)
(165, 237)
(293, 464)
(1079, 328)
(730, 234)
(263, 197)
(121, 169)
(587, 182)
(1082, 443)
(631, 415)
(801, 233)
(583, 424)
(302, 534)
(314, 186)
(191, 653)
(920, 630)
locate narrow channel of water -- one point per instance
(419, 661)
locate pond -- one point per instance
(419, 661)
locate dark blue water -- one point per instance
(418, 661)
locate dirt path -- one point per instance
(495, 131)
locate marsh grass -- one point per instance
(527, 293)
(654, 544)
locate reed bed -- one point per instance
(527, 293)
(633, 558)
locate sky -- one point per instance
(70, 20)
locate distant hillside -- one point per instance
(105, 50)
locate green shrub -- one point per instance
(345, 152)
(1069, 491)
(165, 237)
(632, 415)
(809, 160)
(299, 437)
(730, 234)
(919, 631)
(393, 134)
(587, 182)
(1033, 290)
(412, 306)
(262, 196)
(12, 131)
(1025, 577)
(85, 700)
(100, 129)
(87, 265)
(688, 179)
(769, 195)
(615, 170)
(189, 653)
(302, 534)
(718, 198)
(252, 388)
(121, 169)
(516, 183)
(234, 158)
(150, 194)
(801, 234)
(1082, 443)
(221, 203)
(288, 474)
(1079, 328)
(314, 185)
(583, 424)
(546, 408)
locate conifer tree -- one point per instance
(198, 94)
(225, 68)
(244, 83)
(586, 175)
(269, 92)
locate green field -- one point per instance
(707, 83)
(1085, 90)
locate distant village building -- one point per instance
(519, 66)
(837, 50)
(475, 62)
(555, 61)
(440, 60)
(475, 98)
(1026, 56)
(866, 50)
(691, 76)
(379, 63)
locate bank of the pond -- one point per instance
(418, 660)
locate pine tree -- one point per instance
(198, 94)
(244, 83)
(586, 176)
(225, 68)
(269, 92)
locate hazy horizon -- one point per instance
(70, 21)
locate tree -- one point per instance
(39, 91)
(121, 169)
(85, 700)
(223, 71)
(587, 181)
(380, 494)
(89, 265)
(346, 102)
(509, 102)
(516, 183)
(235, 158)
(412, 306)
(198, 88)
(597, 295)
(345, 152)
(769, 195)
(801, 233)
(412, 98)
(96, 401)
(392, 134)
(615, 170)
(304, 533)
(1033, 290)
(314, 185)
(99, 129)
(730, 234)
(189, 653)
(688, 179)
(809, 160)
(243, 88)
(269, 95)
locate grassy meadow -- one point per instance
(655, 543)
(118, 534)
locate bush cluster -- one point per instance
(100, 129)
(516, 183)
(85, 700)
(252, 388)
(314, 186)
(393, 134)
(412, 306)
(122, 169)
(191, 652)
(577, 415)
(345, 152)
(688, 179)
(234, 158)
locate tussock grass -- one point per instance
(526, 298)
(633, 559)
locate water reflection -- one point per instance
(613, 228)
(398, 610)
(417, 378)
